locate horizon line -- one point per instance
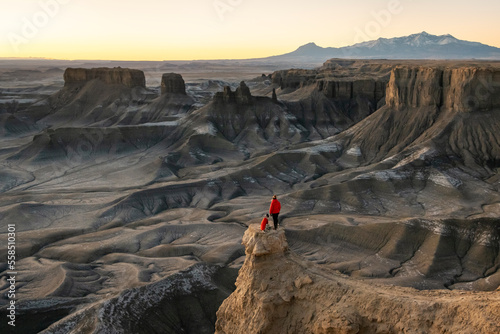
(243, 59)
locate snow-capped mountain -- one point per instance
(416, 40)
(416, 46)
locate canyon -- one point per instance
(131, 197)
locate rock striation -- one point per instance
(349, 89)
(241, 95)
(279, 292)
(172, 83)
(332, 87)
(117, 75)
(295, 78)
(469, 88)
(339, 80)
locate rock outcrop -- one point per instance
(274, 96)
(333, 86)
(242, 95)
(117, 75)
(356, 87)
(278, 292)
(172, 83)
(466, 89)
(349, 89)
(294, 78)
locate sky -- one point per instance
(226, 29)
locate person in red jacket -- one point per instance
(264, 222)
(274, 210)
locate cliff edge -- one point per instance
(278, 292)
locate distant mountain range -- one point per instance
(416, 46)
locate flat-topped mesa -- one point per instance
(117, 75)
(242, 95)
(295, 78)
(172, 83)
(465, 89)
(348, 87)
(335, 63)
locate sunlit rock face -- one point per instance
(459, 89)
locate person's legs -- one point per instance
(275, 220)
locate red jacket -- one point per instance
(263, 224)
(275, 206)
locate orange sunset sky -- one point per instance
(226, 29)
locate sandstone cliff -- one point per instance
(294, 78)
(117, 75)
(278, 292)
(172, 83)
(469, 88)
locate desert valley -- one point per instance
(130, 187)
